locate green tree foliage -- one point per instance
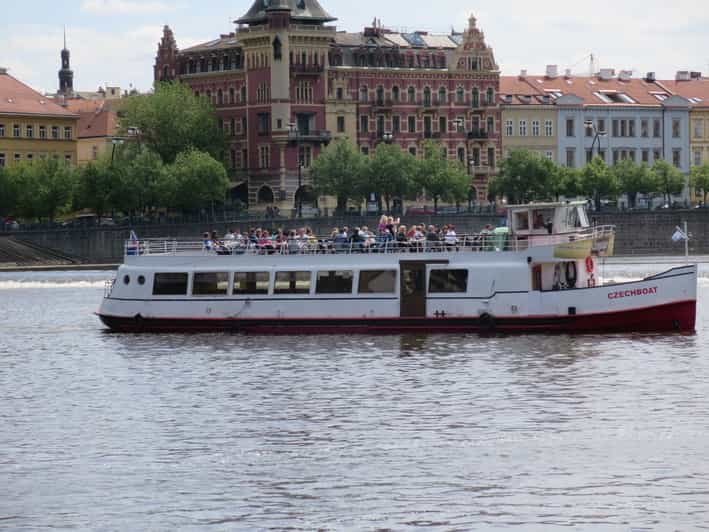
(597, 181)
(338, 171)
(527, 176)
(699, 180)
(94, 187)
(668, 179)
(633, 179)
(41, 189)
(391, 173)
(565, 181)
(8, 193)
(441, 178)
(198, 180)
(173, 120)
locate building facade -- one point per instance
(695, 88)
(286, 83)
(33, 126)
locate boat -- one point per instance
(539, 274)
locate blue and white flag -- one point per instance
(133, 237)
(679, 235)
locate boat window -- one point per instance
(210, 284)
(170, 284)
(377, 282)
(583, 217)
(572, 219)
(521, 221)
(251, 283)
(292, 283)
(448, 281)
(334, 282)
(543, 218)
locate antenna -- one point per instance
(65, 36)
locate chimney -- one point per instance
(567, 73)
(682, 75)
(695, 75)
(650, 78)
(606, 74)
(3, 71)
(552, 71)
(625, 75)
(523, 73)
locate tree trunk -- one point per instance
(435, 204)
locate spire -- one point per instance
(66, 75)
(64, 37)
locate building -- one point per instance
(286, 83)
(97, 128)
(529, 117)
(32, 125)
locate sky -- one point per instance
(113, 42)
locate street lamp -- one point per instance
(115, 142)
(591, 125)
(294, 133)
(387, 137)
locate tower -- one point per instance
(66, 75)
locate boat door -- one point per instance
(412, 285)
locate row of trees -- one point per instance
(171, 162)
(527, 176)
(345, 173)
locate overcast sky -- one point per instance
(114, 41)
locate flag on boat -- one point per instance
(133, 237)
(133, 247)
(679, 235)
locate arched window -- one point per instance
(412, 95)
(490, 96)
(363, 94)
(476, 97)
(380, 95)
(265, 195)
(243, 94)
(277, 49)
(490, 125)
(460, 96)
(427, 96)
(220, 97)
(395, 94)
(442, 96)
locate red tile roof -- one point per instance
(19, 99)
(101, 123)
(696, 90)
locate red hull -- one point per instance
(677, 317)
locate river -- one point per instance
(102, 431)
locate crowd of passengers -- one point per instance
(390, 235)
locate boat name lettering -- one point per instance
(633, 293)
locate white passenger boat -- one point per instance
(541, 274)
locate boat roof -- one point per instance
(550, 205)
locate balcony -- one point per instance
(311, 136)
(313, 70)
(476, 134)
(382, 104)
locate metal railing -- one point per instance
(473, 243)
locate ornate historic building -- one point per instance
(286, 82)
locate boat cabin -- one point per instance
(547, 218)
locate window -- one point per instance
(631, 128)
(55, 132)
(306, 156)
(427, 127)
(363, 94)
(264, 157)
(491, 157)
(588, 130)
(677, 158)
(377, 282)
(16, 131)
(364, 124)
(475, 101)
(251, 283)
(365, 151)
(645, 155)
(292, 283)
(571, 157)
(340, 93)
(476, 157)
(535, 128)
(589, 156)
(18, 157)
(396, 124)
(2, 130)
(412, 124)
(570, 127)
(264, 123)
(412, 151)
(509, 128)
(460, 96)
(67, 133)
(2, 160)
(676, 128)
(170, 284)
(656, 128)
(461, 155)
(334, 282)
(448, 281)
(644, 128)
(412, 95)
(442, 96)
(549, 155)
(427, 97)
(491, 125)
(395, 94)
(548, 128)
(522, 128)
(601, 125)
(656, 155)
(29, 132)
(42, 132)
(490, 96)
(697, 157)
(210, 284)
(442, 124)
(698, 129)
(340, 124)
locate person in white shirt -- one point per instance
(451, 238)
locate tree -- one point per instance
(41, 188)
(668, 179)
(136, 175)
(633, 179)
(598, 181)
(699, 180)
(565, 182)
(339, 172)
(94, 187)
(390, 173)
(199, 180)
(8, 193)
(172, 120)
(527, 176)
(439, 177)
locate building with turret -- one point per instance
(286, 82)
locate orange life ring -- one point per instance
(589, 265)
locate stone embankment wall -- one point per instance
(638, 233)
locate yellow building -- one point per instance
(529, 118)
(97, 128)
(695, 89)
(32, 125)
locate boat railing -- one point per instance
(108, 288)
(478, 243)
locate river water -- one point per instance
(220, 432)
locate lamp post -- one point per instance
(590, 124)
(294, 132)
(115, 142)
(387, 137)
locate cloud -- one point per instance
(111, 7)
